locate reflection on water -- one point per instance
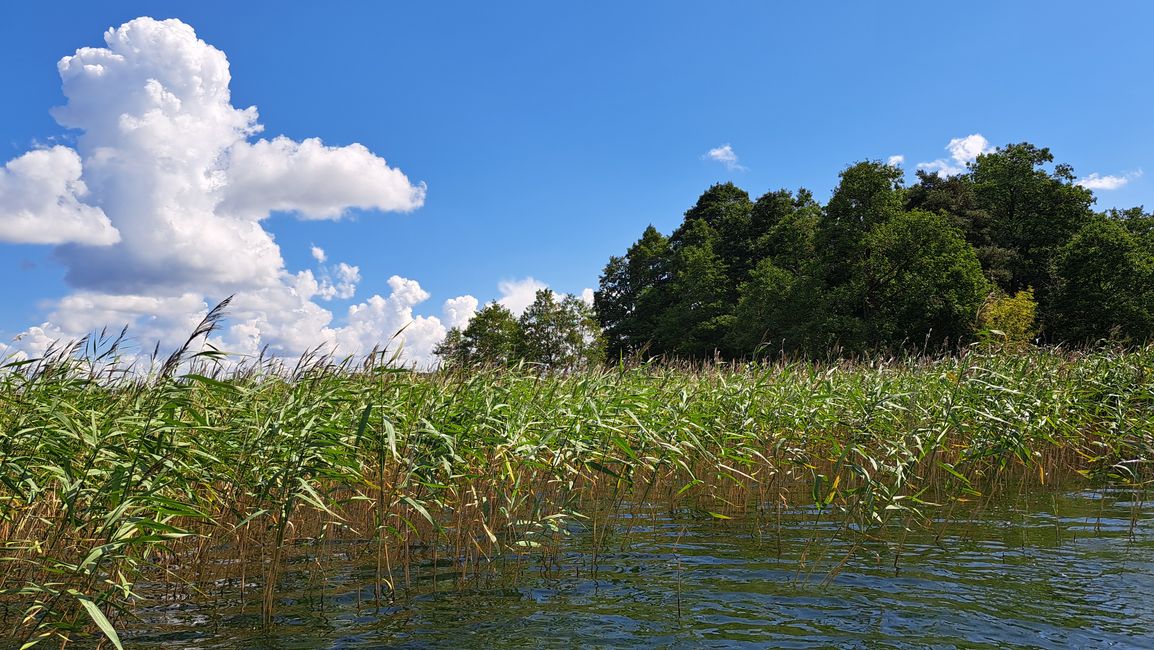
(1067, 570)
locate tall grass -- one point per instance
(192, 475)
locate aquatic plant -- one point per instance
(198, 477)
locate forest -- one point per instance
(1012, 251)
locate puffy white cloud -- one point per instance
(347, 278)
(416, 336)
(158, 211)
(282, 317)
(339, 281)
(587, 296)
(967, 149)
(40, 202)
(459, 311)
(962, 152)
(313, 180)
(1096, 181)
(516, 295)
(726, 156)
(166, 156)
(895, 160)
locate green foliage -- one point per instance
(632, 295)
(555, 334)
(1032, 211)
(491, 338)
(697, 315)
(1009, 321)
(559, 334)
(765, 314)
(921, 282)
(783, 228)
(1105, 286)
(882, 266)
(120, 488)
(869, 194)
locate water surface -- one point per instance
(1050, 570)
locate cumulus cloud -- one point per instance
(895, 160)
(41, 202)
(726, 156)
(339, 281)
(312, 180)
(587, 296)
(166, 156)
(415, 335)
(962, 152)
(158, 211)
(459, 311)
(1096, 181)
(517, 295)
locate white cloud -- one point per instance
(726, 156)
(895, 160)
(1096, 181)
(313, 180)
(158, 210)
(279, 317)
(962, 152)
(41, 202)
(967, 149)
(347, 278)
(516, 295)
(459, 311)
(166, 156)
(339, 281)
(415, 335)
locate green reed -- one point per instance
(191, 472)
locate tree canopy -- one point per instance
(556, 333)
(1007, 251)
(883, 266)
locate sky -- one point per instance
(353, 169)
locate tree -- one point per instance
(1138, 223)
(955, 198)
(882, 266)
(869, 194)
(1104, 286)
(784, 227)
(1009, 321)
(698, 304)
(451, 350)
(726, 208)
(490, 339)
(559, 334)
(632, 293)
(1032, 212)
(921, 282)
(765, 314)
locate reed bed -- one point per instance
(196, 478)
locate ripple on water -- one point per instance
(1068, 570)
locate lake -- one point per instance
(1049, 569)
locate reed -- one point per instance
(202, 477)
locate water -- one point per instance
(1052, 570)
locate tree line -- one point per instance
(1011, 250)
(554, 332)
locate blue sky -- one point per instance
(548, 135)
